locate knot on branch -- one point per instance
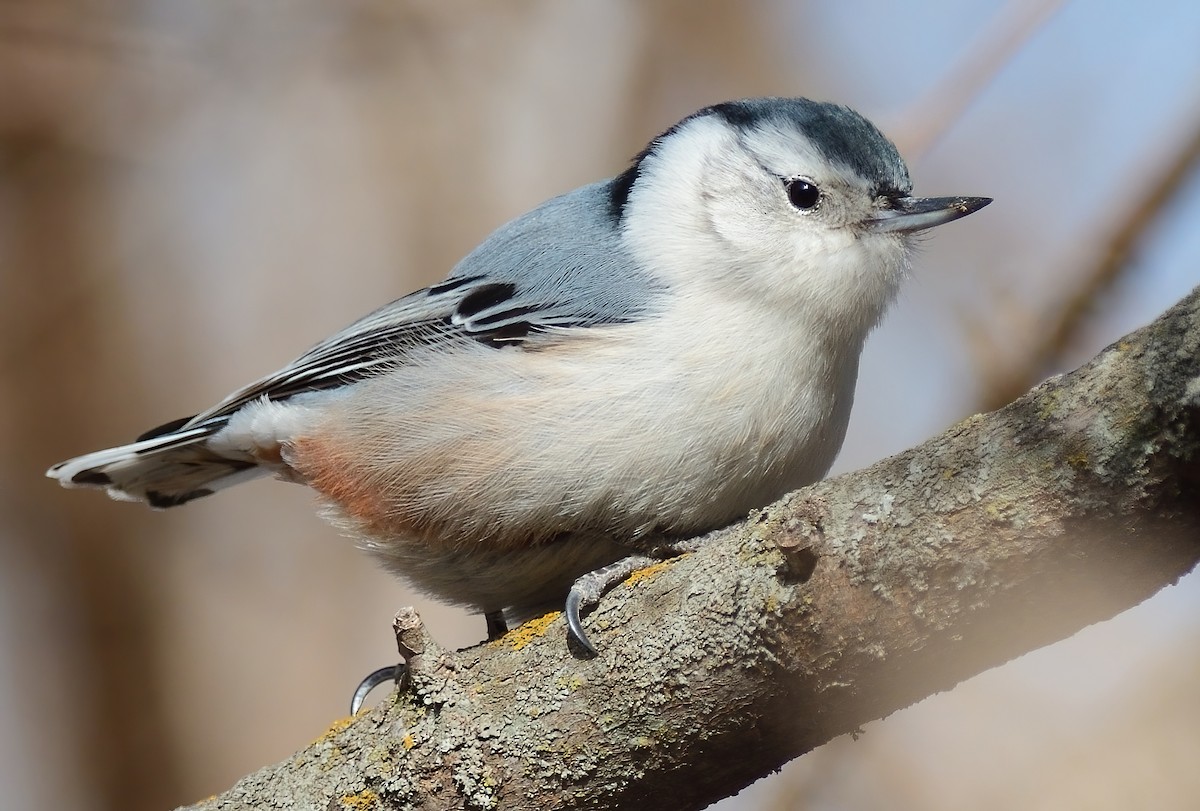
(801, 535)
(417, 648)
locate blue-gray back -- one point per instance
(565, 264)
(561, 266)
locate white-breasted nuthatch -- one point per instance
(638, 361)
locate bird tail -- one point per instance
(168, 466)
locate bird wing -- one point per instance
(560, 267)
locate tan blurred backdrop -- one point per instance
(191, 193)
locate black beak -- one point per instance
(912, 214)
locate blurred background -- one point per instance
(192, 193)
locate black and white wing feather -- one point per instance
(561, 267)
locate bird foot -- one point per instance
(588, 589)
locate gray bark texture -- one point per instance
(840, 604)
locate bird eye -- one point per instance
(801, 193)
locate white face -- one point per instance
(713, 207)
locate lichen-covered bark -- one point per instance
(836, 606)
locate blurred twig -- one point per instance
(931, 117)
(63, 68)
(1062, 325)
(95, 565)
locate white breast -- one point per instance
(614, 432)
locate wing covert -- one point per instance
(561, 266)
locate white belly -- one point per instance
(480, 476)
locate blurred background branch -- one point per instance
(1162, 179)
(933, 115)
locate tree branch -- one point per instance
(840, 604)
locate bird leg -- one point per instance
(496, 626)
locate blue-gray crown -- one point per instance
(842, 135)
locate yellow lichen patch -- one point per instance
(333, 757)
(1078, 460)
(1050, 402)
(364, 800)
(1003, 511)
(570, 683)
(648, 572)
(407, 741)
(334, 728)
(522, 635)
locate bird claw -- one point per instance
(588, 589)
(574, 603)
(392, 673)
